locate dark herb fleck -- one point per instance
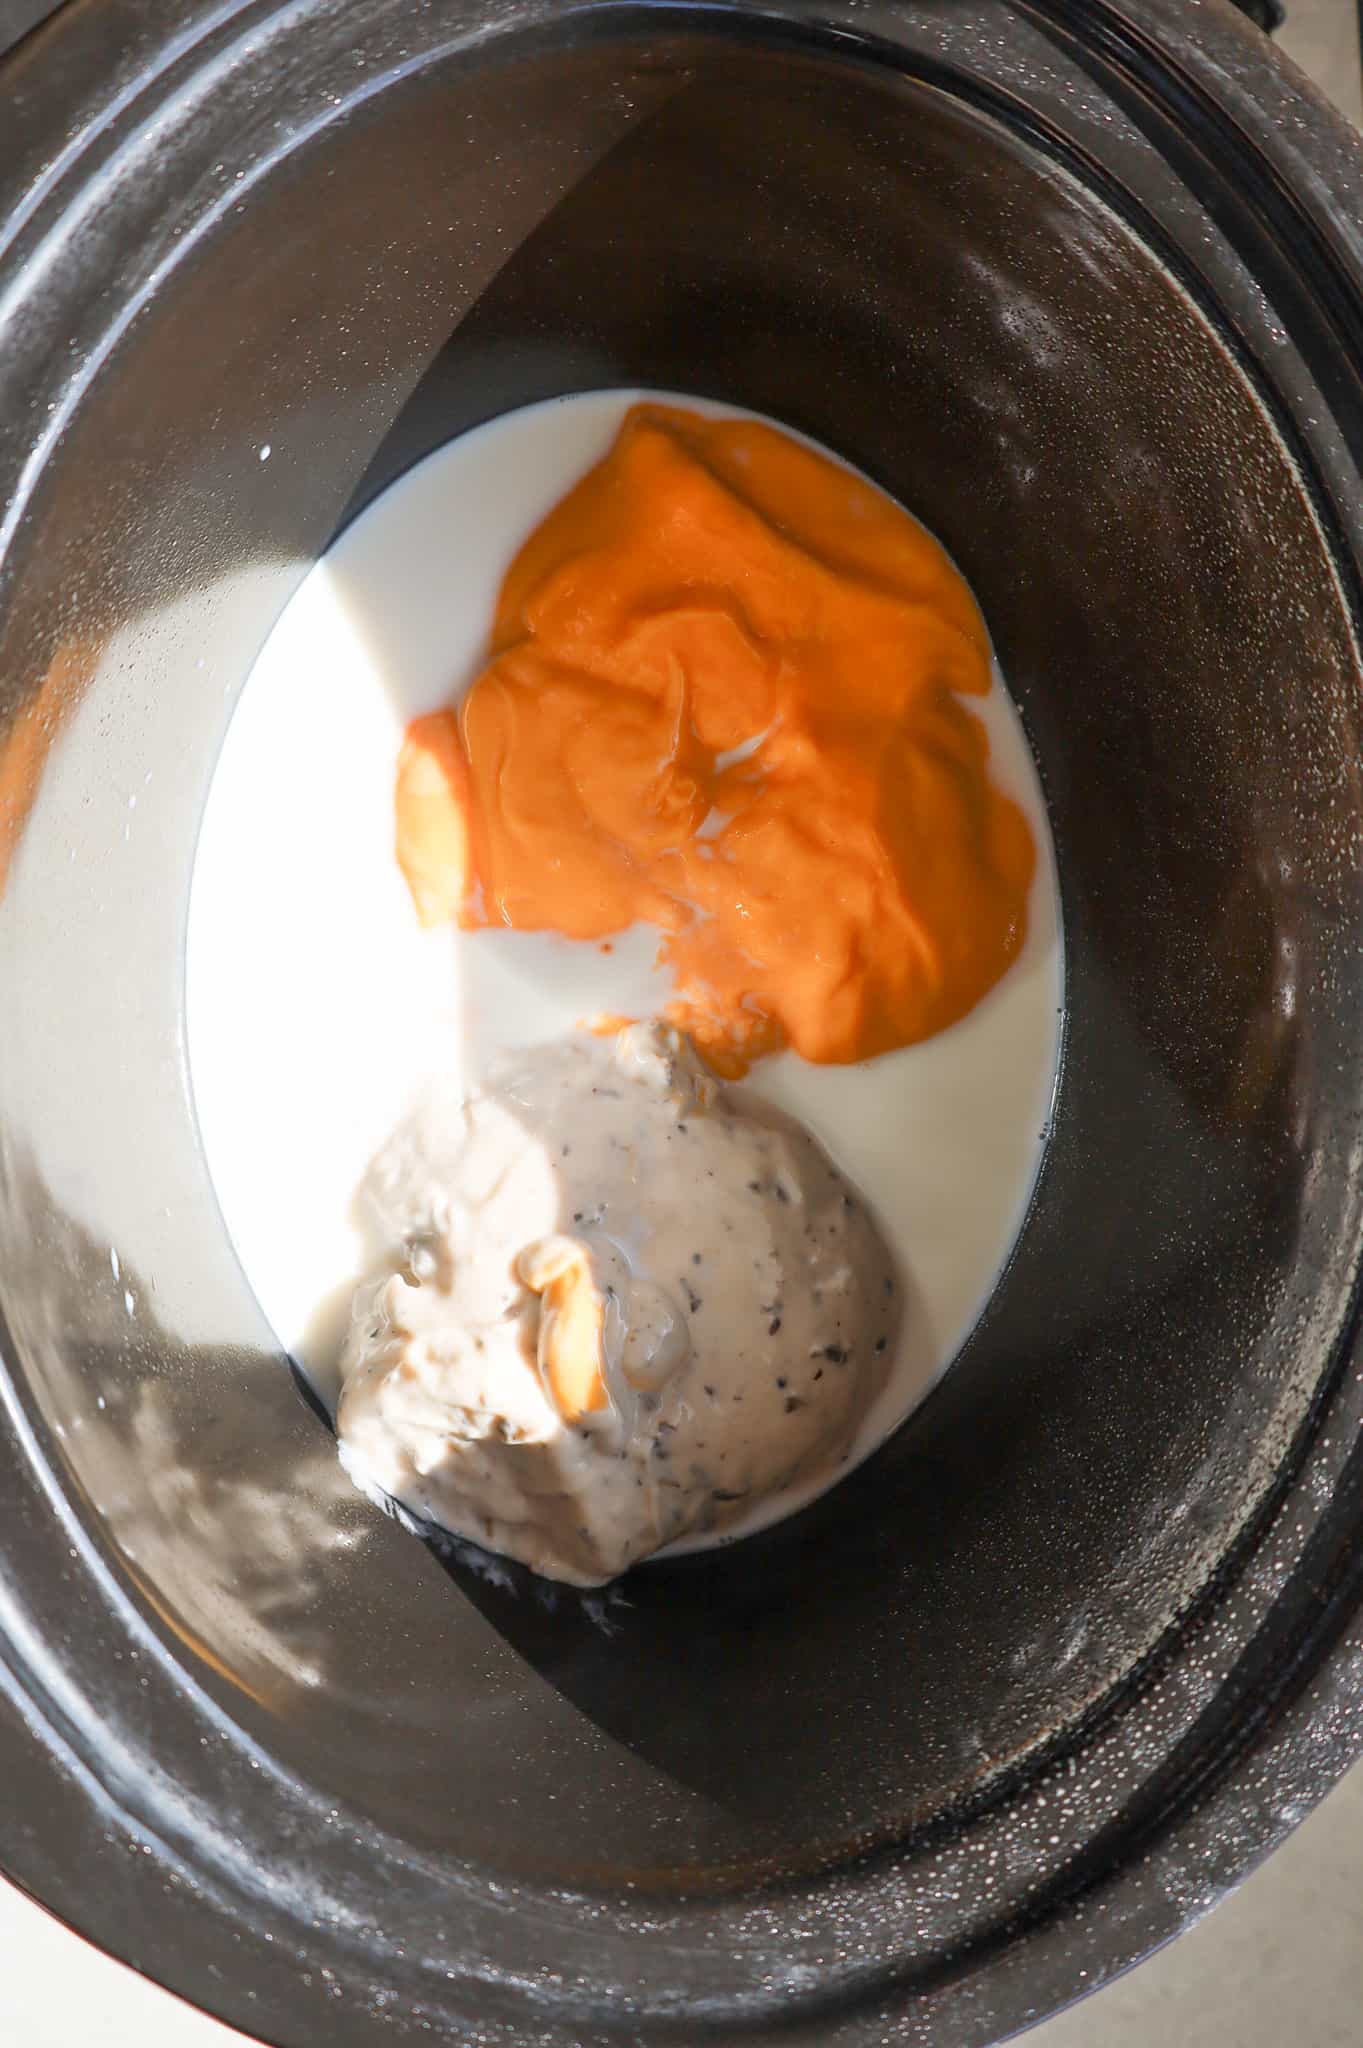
(881, 1343)
(792, 1403)
(834, 1353)
(773, 1326)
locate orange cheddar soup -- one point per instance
(727, 695)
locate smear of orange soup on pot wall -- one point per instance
(725, 697)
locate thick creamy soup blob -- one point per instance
(614, 1308)
(669, 938)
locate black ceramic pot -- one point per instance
(1080, 284)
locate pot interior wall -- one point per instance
(868, 259)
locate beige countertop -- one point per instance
(1322, 36)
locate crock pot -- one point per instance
(1079, 284)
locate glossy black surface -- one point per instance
(894, 1766)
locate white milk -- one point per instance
(315, 1004)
